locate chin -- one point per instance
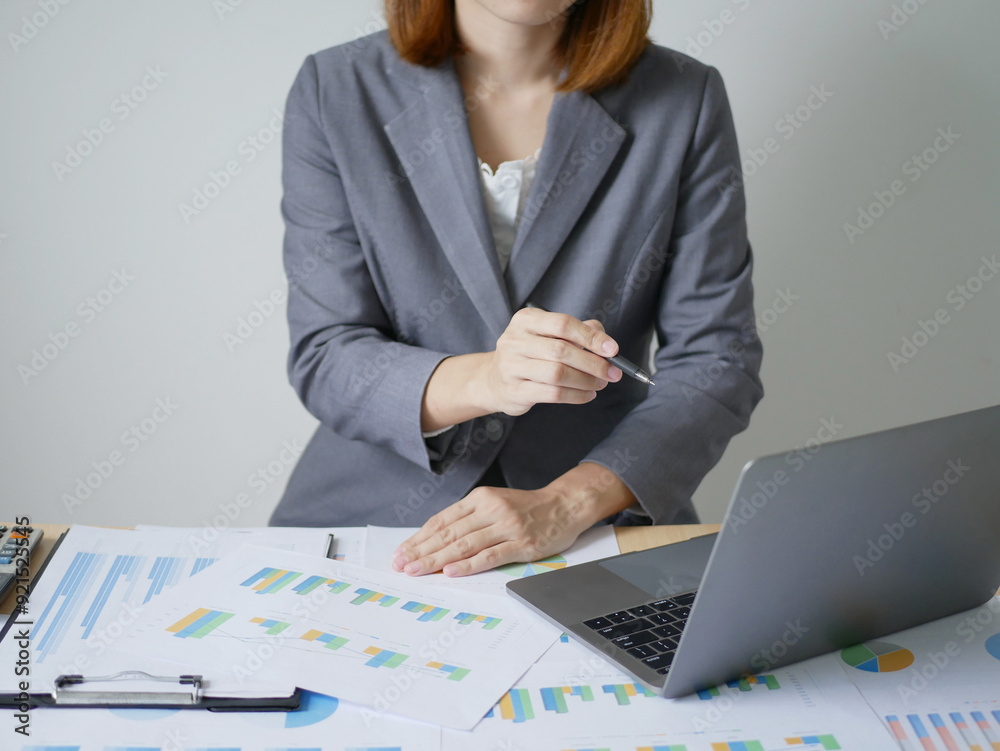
(527, 12)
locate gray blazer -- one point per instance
(636, 217)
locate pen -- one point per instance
(626, 366)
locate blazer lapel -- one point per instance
(431, 138)
(581, 142)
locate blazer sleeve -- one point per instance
(344, 362)
(709, 355)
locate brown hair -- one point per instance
(601, 41)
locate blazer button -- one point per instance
(494, 428)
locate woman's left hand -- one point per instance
(494, 526)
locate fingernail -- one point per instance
(450, 570)
(609, 346)
(413, 568)
(398, 563)
(614, 374)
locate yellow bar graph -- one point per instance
(268, 581)
(187, 620)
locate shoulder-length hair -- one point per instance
(601, 41)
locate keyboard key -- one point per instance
(662, 618)
(596, 623)
(642, 651)
(659, 661)
(624, 629)
(669, 644)
(669, 630)
(664, 605)
(641, 611)
(685, 599)
(682, 612)
(634, 640)
(620, 617)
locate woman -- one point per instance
(445, 401)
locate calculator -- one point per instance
(16, 544)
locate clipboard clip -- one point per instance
(124, 698)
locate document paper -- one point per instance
(402, 647)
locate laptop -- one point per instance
(821, 548)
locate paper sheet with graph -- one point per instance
(100, 581)
(402, 647)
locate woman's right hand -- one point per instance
(547, 358)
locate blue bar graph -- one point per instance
(201, 563)
(918, 727)
(123, 566)
(166, 571)
(75, 582)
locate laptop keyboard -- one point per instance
(649, 632)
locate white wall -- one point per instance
(223, 70)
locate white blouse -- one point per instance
(506, 192)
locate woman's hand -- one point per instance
(494, 526)
(540, 358)
(548, 358)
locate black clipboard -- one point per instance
(189, 697)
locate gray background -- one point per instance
(228, 66)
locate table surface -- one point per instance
(629, 539)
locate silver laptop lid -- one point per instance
(827, 547)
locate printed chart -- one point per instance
(949, 731)
(99, 580)
(878, 657)
(519, 570)
(400, 646)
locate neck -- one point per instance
(512, 52)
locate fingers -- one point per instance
(464, 547)
(570, 329)
(489, 558)
(436, 533)
(562, 339)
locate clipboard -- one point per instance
(186, 693)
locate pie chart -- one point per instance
(530, 569)
(877, 657)
(993, 646)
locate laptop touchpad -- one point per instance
(665, 571)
